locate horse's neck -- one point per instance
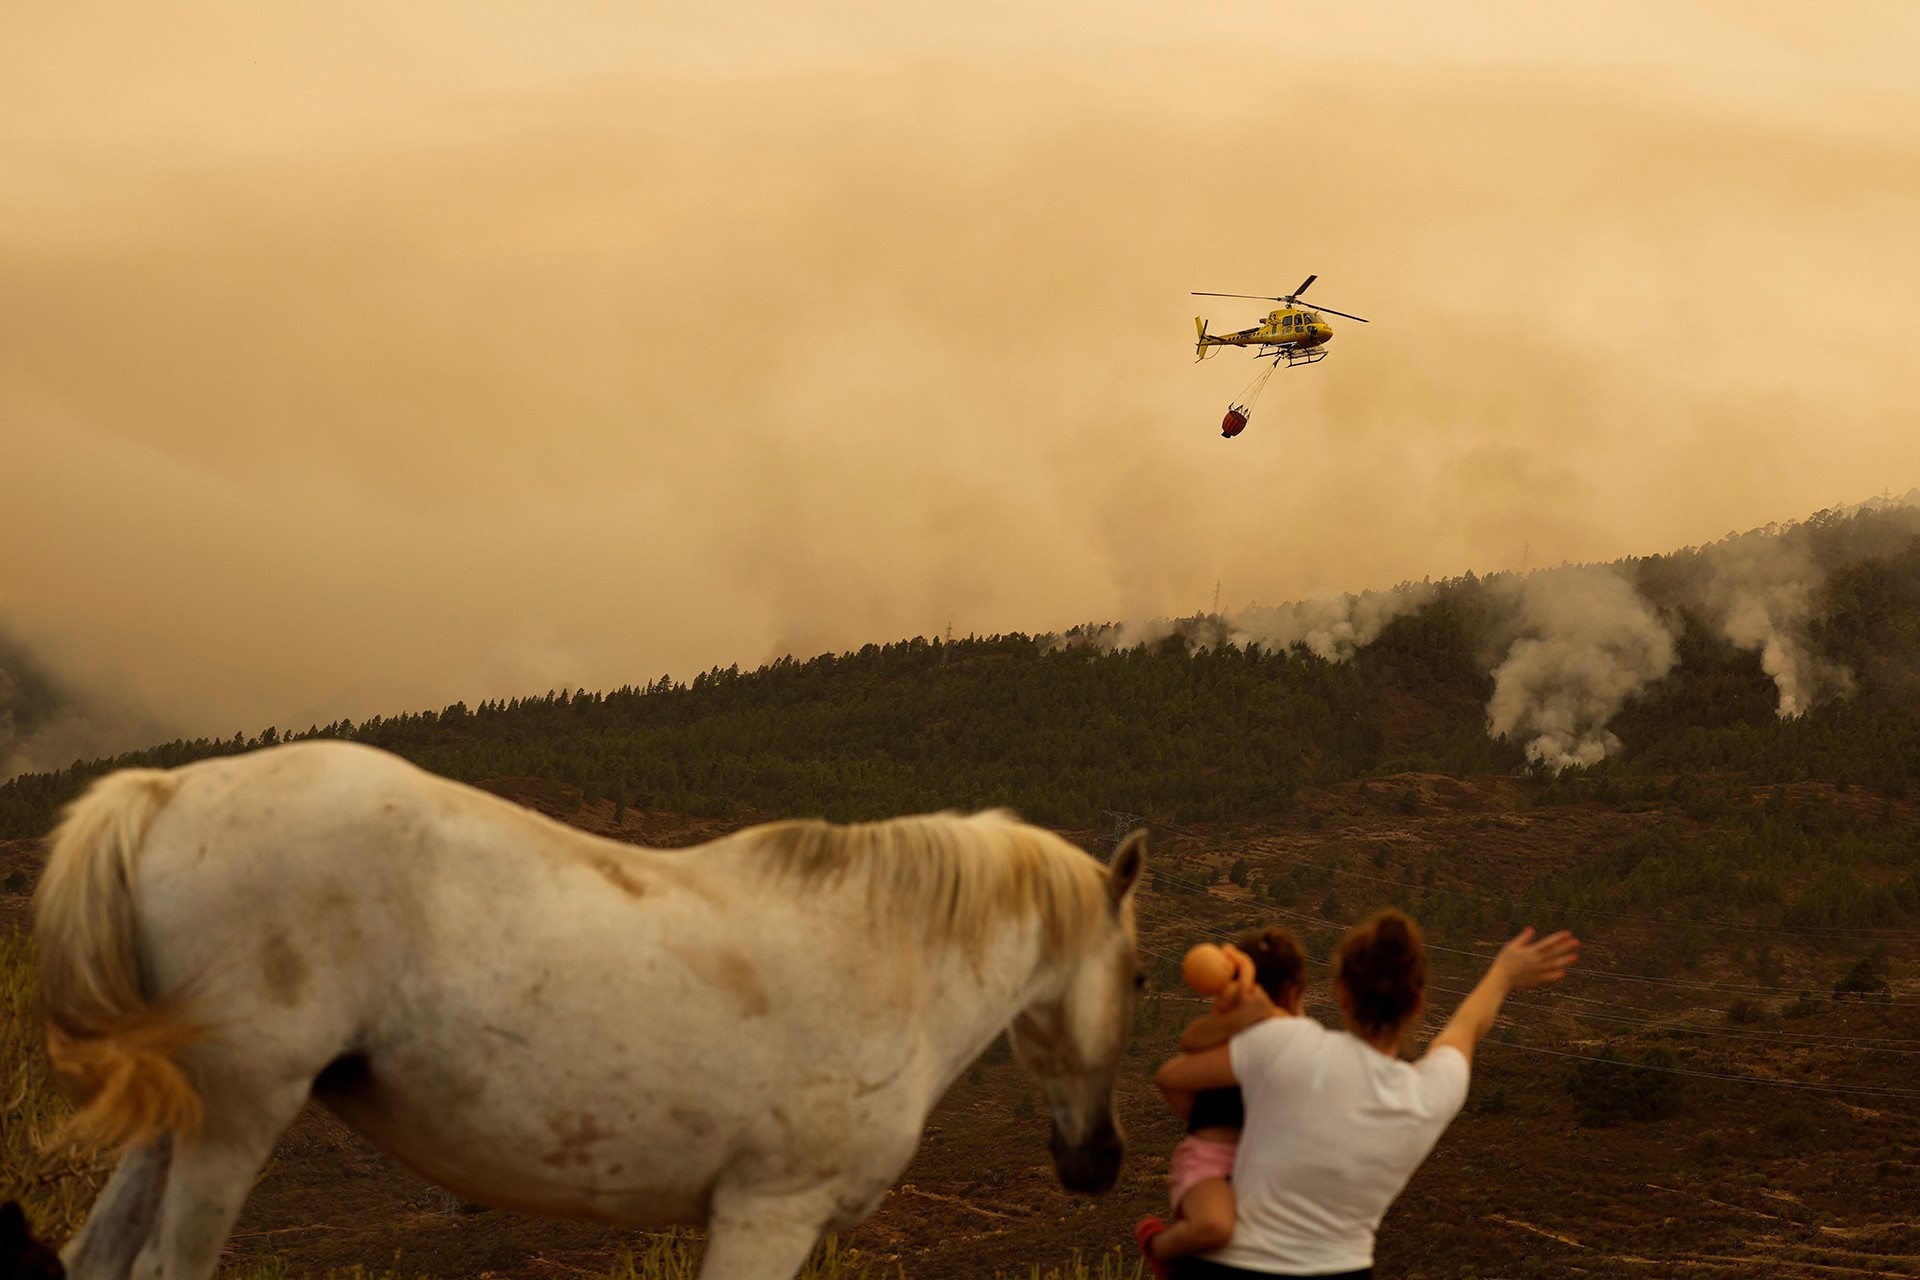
(1007, 978)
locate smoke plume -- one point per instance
(1590, 643)
(44, 725)
(1762, 591)
(1333, 627)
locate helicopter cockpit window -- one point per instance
(1287, 323)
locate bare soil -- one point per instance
(1748, 1179)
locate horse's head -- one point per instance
(1073, 1035)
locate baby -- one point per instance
(1202, 1164)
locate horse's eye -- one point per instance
(1139, 982)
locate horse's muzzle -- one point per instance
(1091, 1166)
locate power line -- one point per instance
(1594, 971)
(1606, 917)
(1785, 1039)
(1856, 1090)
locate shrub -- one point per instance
(1606, 1090)
(1792, 1126)
(1867, 980)
(1744, 1011)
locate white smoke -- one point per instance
(1761, 590)
(1590, 642)
(1334, 627)
(1114, 637)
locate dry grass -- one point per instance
(676, 1256)
(671, 1256)
(55, 1181)
(1116, 1264)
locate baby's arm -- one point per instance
(1238, 1007)
(1186, 1075)
(1218, 1025)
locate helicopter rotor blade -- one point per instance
(1290, 299)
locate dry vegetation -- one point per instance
(1790, 1147)
(53, 1180)
(1725, 1088)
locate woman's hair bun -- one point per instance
(1382, 964)
(1393, 936)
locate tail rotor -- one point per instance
(1203, 348)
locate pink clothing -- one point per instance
(1196, 1160)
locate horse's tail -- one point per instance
(117, 1053)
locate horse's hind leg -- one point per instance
(122, 1218)
(208, 1182)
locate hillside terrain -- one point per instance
(1726, 1087)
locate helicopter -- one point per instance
(1294, 334)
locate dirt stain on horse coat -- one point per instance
(283, 970)
(577, 1132)
(609, 867)
(697, 1123)
(736, 974)
(618, 876)
(732, 973)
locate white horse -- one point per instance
(748, 1033)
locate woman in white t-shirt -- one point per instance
(1336, 1122)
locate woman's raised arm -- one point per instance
(1522, 963)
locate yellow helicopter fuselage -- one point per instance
(1290, 328)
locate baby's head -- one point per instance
(1279, 966)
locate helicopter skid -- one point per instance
(1312, 355)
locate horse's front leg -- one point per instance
(122, 1218)
(759, 1234)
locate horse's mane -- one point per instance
(947, 875)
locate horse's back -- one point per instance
(513, 1002)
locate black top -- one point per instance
(1193, 1267)
(1217, 1107)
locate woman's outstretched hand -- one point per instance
(1526, 962)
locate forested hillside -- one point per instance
(1192, 726)
(1722, 1087)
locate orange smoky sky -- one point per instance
(359, 357)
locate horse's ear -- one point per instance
(1128, 858)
